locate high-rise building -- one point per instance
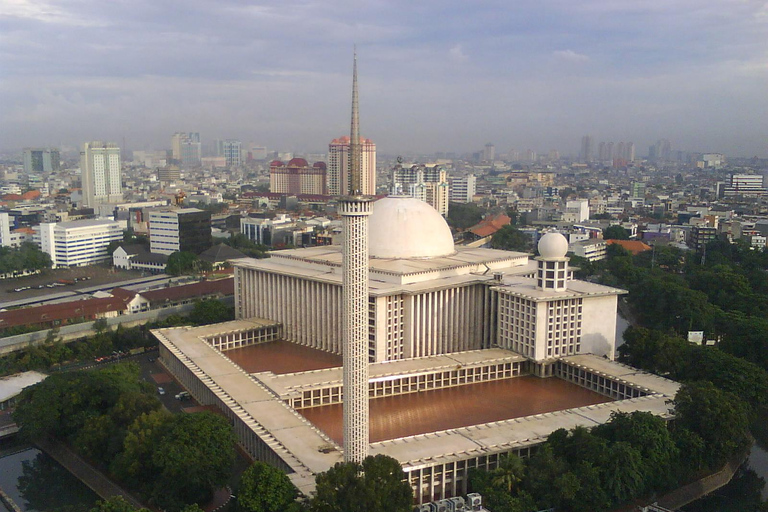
(489, 152)
(5, 230)
(338, 166)
(297, 177)
(232, 150)
(101, 175)
(256, 152)
(426, 183)
(587, 149)
(186, 148)
(183, 229)
(41, 160)
(463, 189)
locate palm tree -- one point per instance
(509, 473)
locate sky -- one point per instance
(434, 75)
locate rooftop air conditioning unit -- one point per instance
(475, 501)
(459, 505)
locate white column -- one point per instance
(354, 213)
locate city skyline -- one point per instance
(434, 77)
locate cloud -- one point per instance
(570, 56)
(457, 54)
(41, 11)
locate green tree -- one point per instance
(211, 311)
(718, 417)
(623, 473)
(264, 488)
(510, 238)
(615, 232)
(192, 459)
(463, 215)
(116, 504)
(375, 486)
(185, 262)
(509, 473)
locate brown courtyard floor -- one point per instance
(442, 409)
(281, 357)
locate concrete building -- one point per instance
(232, 151)
(101, 174)
(339, 164)
(297, 177)
(183, 229)
(463, 189)
(438, 317)
(5, 229)
(186, 148)
(77, 243)
(428, 183)
(41, 160)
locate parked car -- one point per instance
(161, 391)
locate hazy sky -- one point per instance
(435, 75)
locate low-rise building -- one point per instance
(77, 243)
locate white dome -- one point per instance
(404, 227)
(553, 245)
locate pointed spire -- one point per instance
(355, 150)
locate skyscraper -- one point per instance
(338, 166)
(41, 160)
(232, 150)
(587, 149)
(186, 148)
(100, 173)
(489, 152)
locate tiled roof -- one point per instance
(88, 308)
(633, 246)
(189, 291)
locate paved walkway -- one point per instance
(87, 474)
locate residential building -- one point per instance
(183, 229)
(77, 243)
(463, 189)
(591, 249)
(297, 177)
(41, 160)
(428, 183)
(232, 151)
(339, 178)
(101, 174)
(186, 148)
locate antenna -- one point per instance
(355, 150)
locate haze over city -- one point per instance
(434, 76)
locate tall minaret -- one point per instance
(355, 150)
(355, 209)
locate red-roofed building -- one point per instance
(297, 177)
(633, 246)
(55, 315)
(185, 294)
(489, 225)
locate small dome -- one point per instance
(553, 245)
(298, 162)
(404, 227)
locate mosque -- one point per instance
(474, 353)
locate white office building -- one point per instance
(77, 243)
(100, 173)
(5, 229)
(463, 189)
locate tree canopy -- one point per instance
(375, 486)
(26, 257)
(510, 238)
(615, 232)
(264, 488)
(184, 262)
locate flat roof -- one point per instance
(525, 287)
(437, 410)
(14, 384)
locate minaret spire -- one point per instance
(355, 150)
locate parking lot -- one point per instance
(67, 279)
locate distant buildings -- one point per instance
(297, 177)
(184, 229)
(424, 182)
(186, 148)
(41, 160)
(489, 152)
(338, 166)
(587, 149)
(77, 243)
(101, 174)
(5, 230)
(231, 150)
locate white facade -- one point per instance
(100, 173)
(77, 243)
(5, 230)
(338, 166)
(463, 189)
(422, 303)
